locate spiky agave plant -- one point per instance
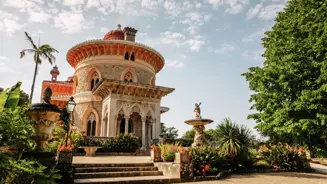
(233, 139)
(39, 52)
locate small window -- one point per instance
(94, 81)
(126, 56)
(132, 57)
(128, 77)
(91, 125)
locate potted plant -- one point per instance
(65, 154)
(156, 153)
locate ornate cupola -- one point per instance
(117, 34)
(54, 73)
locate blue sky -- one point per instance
(207, 44)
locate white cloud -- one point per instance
(150, 4)
(171, 38)
(71, 22)
(172, 7)
(73, 2)
(148, 26)
(22, 4)
(196, 44)
(265, 13)
(4, 68)
(174, 63)
(232, 6)
(192, 30)
(225, 49)
(196, 18)
(270, 11)
(254, 55)
(104, 30)
(3, 58)
(256, 36)
(253, 11)
(143, 34)
(9, 23)
(38, 16)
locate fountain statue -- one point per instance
(44, 117)
(198, 125)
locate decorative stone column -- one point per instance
(143, 132)
(153, 128)
(116, 125)
(126, 124)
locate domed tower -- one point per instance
(114, 86)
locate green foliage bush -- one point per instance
(169, 157)
(283, 156)
(122, 143)
(16, 131)
(320, 152)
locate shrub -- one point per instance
(233, 139)
(319, 152)
(261, 164)
(207, 161)
(121, 143)
(284, 156)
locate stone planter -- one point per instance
(65, 157)
(156, 155)
(44, 118)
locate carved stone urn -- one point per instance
(44, 118)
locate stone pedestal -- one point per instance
(199, 138)
(90, 150)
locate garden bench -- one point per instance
(90, 150)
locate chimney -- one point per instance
(129, 34)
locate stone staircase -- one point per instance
(120, 173)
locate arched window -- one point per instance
(128, 77)
(94, 80)
(126, 56)
(91, 125)
(132, 57)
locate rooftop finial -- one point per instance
(118, 27)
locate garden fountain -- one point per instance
(44, 117)
(198, 124)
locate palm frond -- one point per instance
(22, 53)
(30, 40)
(47, 48)
(51, 58)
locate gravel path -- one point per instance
(272, 178)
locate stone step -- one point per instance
(129, 180)
(113, 165)
(116, 174)
(114, 169)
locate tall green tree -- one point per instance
(290, 90)
(169, 132)
(39, 53)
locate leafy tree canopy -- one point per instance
(291, 87)
(169, 132)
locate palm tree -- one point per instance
(233, 139)
(44, 51)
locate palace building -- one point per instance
(114, 86)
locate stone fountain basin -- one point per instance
(196, 122)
